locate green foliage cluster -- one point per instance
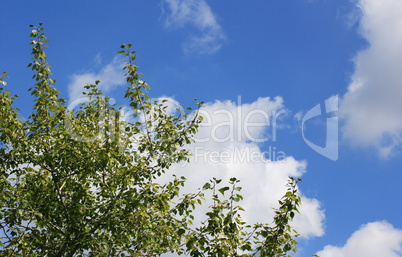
(82, 182)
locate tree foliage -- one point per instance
(82, 182)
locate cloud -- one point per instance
(110, 76)
(198, 13)
(310, 222)
(371, 107)
(237, 140)
(371, 240)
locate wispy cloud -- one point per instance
(110, 76)
(371, 240)
(197, 13)
(372, 106)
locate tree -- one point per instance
(82, 182)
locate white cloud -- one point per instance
(310, 222)
(371, 107)
(371, 240)
(110, 76)
(226, 148)
(197, 13)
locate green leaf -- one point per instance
(223, 190)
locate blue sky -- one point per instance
(272, 57)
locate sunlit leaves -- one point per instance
(4, 75)
(224, 233)
(83, 182)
